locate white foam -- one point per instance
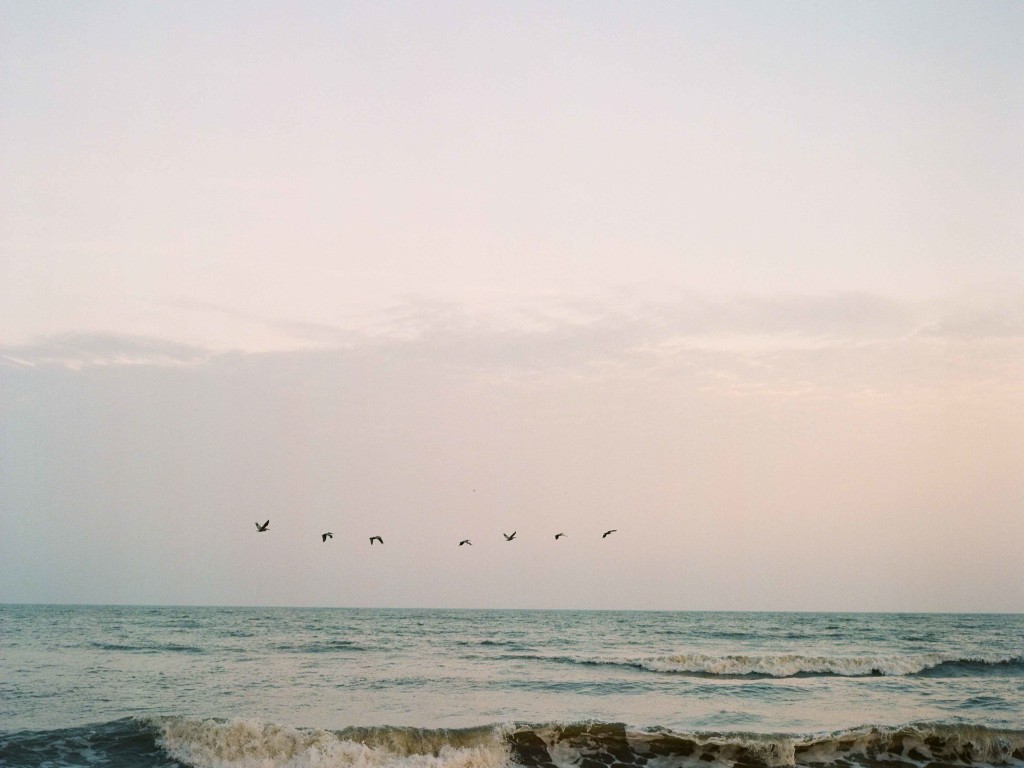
(788, 665)
(254, 744)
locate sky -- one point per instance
(743, 281)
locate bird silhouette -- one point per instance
(509, 537)
(326, 536)
(466, 541)
(377, 538)
(558, 536)
(262, 528)
(606, 533)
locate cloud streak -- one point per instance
(787, 346)
(84, 350)
(558, 335)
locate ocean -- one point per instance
(268, 687)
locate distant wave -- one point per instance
(151, 742)
(143, 648)
(797, 665)
(320, 646)
(514, 645)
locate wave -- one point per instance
(251, 743)
(320, 646)
(152, 742)
(156, 648)
(796, 665)
(594, 745)
(514, 645)
(170, 742)
(117, 744)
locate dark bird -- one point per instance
(376, 538)
(509, 537)
(558, 536)
(326, 536)
(466, 541)
(606, 533)
(262, 528)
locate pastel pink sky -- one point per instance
(744, 281)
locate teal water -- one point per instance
(193, 686)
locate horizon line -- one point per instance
(509, 610)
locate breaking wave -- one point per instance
(252, 744)
(240, 743)
(797, 665)
(595, 745)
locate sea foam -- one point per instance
(243, 743)
(792, 665)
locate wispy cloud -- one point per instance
(977, 323)
(302, 331)
(81, 350)
(749, 345)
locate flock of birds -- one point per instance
(508, 536)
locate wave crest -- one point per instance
(147, 648)
(593, 745)
(255, 744)
(795, 665)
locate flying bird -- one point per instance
(376, 538)
(326, 536)
(262, 528)
(509, 537)
(558, 536)
(606, 533)
(466, 541)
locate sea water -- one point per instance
(163, 686)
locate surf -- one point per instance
(149, 742)
(783, 665)
(591, 745)
(797, 665)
